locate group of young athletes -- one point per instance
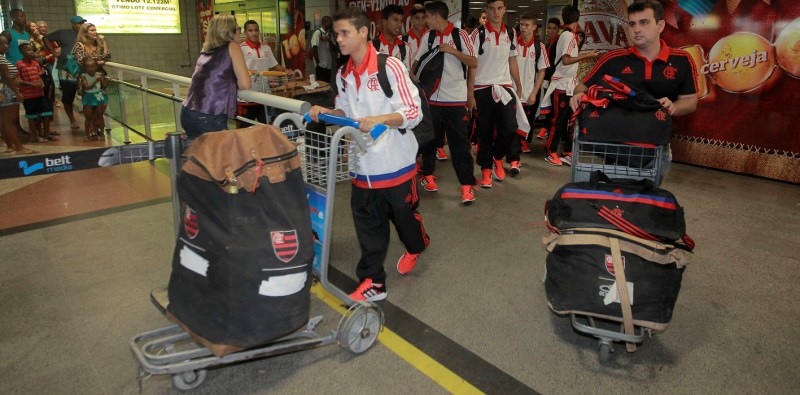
(492, 77)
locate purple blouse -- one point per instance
(213, 89)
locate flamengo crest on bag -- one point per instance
(284, 243)
(190, 223)
(610, 264)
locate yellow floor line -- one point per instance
(418, 359)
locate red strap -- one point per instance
(623, 224)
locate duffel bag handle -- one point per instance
(598, 176)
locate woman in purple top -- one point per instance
(219, 72)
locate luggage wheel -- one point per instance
(185, 381)
(359, 327)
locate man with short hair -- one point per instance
(413, 39)
(532, 60)
(389, 40)
(666, 73)
(69, 85)
(258, 57)
(494, 96)
(553, 30)
(563, 82)
(16, 35)
(448, 100)
(323, 51)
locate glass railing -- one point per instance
(147, 103)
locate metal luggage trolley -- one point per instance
(630, 161)
(172, 351)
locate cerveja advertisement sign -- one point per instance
(131, 16)
(747, 58)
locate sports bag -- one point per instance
(242, 261)
(616, 112)
(632, 206)
(641, 288)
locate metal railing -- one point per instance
(124, 99)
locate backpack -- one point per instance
(424, 131)
(456, 40)
(376, 42)
(482, 38)
(551, 52)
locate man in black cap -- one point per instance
(69, 85)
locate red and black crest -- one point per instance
(610, 264)
(284, 243)
(190, 223)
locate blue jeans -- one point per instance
(196, 123)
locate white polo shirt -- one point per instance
(391, 159)
(392, 48)
(258, 57)
(493, 64)
(565, 77)
(528, 66)
(413, 44)
(452, 89)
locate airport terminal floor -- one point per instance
(82, 250)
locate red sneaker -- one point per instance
(542, 133)
(553, 160)
(525, 147)
(467, 195)
(499, 171)
(429, 183)
(406, 263)
(515, 168)
(369, 291)
(486, 178)
(440, 154)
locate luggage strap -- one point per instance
(622, 291)
(653, 251)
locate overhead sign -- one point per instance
(131, 16)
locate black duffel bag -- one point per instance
(241, 270)
(632, 206)
(581, 276)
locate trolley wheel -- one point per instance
(360, 330)
(189, 380)
(605, 351)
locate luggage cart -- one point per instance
(632, 161)
(629, 161)
(172, 351)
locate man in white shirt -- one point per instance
(258, 57)
(413, 39)
(563, 82)
(323, 54)
(494, 96)
(389, 40)
(532, 60)
(448, 100)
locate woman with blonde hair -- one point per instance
(220, 70)
(91, 45)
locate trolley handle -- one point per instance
(375, 132)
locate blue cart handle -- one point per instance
(376, 131)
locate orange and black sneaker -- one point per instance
(499, 171)
(467, 195)
(369, 292)
(553, 160)
(567, 158)
(542, 133)
(514, 168)
(440, 154)
(406, 263)
(429, 183)
(526, 148)
(486, 178)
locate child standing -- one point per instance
(37, 110)
(384, 187)
(95, 100)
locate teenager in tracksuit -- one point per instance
(448, 101)
(493, 93)
(390, 39)
(384, 187)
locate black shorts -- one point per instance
(37, 107)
